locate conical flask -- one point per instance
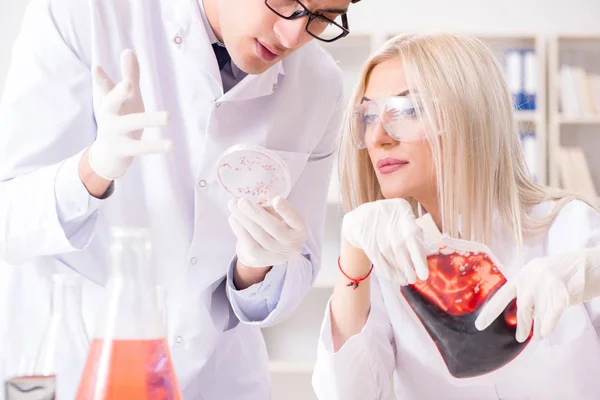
(63, 350)
(129, 356)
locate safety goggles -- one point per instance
(399, 116)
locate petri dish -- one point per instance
(254, 173)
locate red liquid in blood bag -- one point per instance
(459, 283)
(136, 370)
(510, 315)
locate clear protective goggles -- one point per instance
(399, 116)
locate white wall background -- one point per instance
(479, 16)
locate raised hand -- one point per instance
(121, 121)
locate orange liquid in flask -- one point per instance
(135, 370)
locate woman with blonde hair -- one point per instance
(430, 154)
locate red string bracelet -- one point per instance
(353, 281)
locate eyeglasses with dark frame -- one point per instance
(316, 24)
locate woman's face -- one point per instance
(404, 168)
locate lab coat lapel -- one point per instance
(183, 19)
(175, 13)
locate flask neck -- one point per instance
(132, 311)
(65, 341)
(130, 257)
(66, 297)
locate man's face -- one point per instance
(257, 38)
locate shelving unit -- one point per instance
(591, 120)
(292, 344)
(529, 121)
(566, 126)
(527, 116)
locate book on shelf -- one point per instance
(594, 81)
(579, 92)
(520, 70)
(530, 147)
(575, 172)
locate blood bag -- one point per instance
(254, 173)
(463, 276)
(129, 357)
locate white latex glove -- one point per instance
(544, 288)
(121, 120)
(264, 238)
(388, 234)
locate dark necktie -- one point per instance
(222, 55)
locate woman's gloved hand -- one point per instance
(388, 234)
(544, 288)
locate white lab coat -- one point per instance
(49, 223)
(393, 342)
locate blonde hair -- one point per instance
(483, 169)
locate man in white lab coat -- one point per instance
(211, 74)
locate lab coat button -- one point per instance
(202, 183)
(274, 86)
(178, 40)
(193, 260)
(217, 104)
(179, 340)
